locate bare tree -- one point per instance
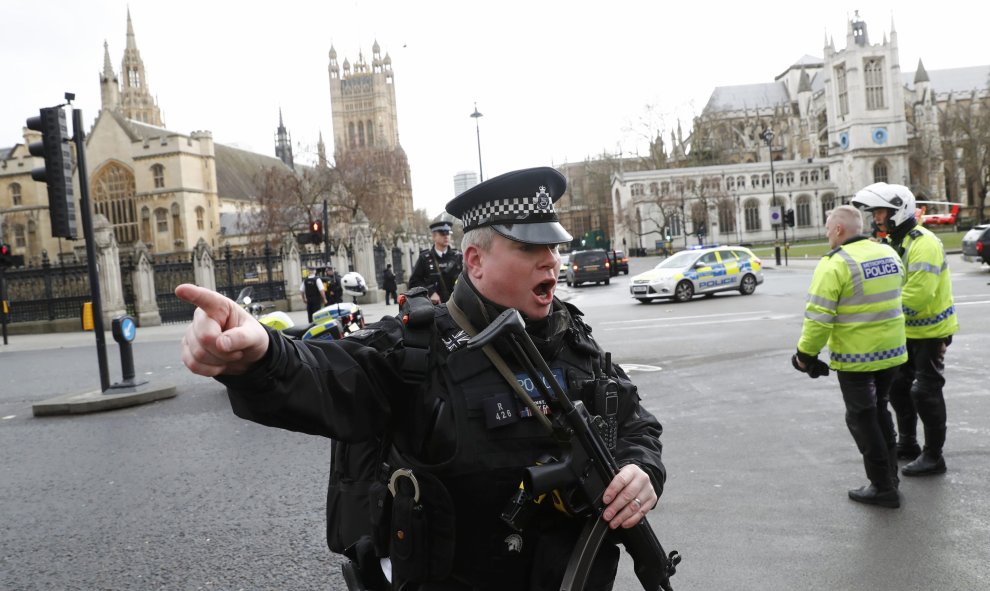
(376, 182)
(967, 129)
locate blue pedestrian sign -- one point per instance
(124, 329)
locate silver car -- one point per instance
(705, 270)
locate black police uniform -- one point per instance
(425, 273)
(314, 296)
(451, 418)
(450, 427)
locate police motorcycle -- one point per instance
(330, 323)
(245, 301)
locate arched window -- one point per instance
(825, 174)
(158, 174)
(654, 189)
(741, 181)
(779, 179)
(113, 196)
(371, 135)
(803, 211)
(754, 181)
(828, 204)
(873, 78)
(176, 223)
(146, 225)
(664, 188)
(804, 177)
(674, 224)
(161, 220)
(200, 224)
(351, 137)
(15, 194)
(360, 128)
(814, 176)
(880, 172)
(765, 180)
(751, 215)
(730, 183)
(20, 238)
(789, 179)
(726, 215)
(637, 190)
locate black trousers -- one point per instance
(394, 294)
(917, 392)
(870, 423)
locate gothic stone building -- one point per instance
(838, 123)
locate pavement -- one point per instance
(132, 393)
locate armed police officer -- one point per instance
(312, 290)
(854, 305)
(459, 440)
(930, 321)
(439, 266)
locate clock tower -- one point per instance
(867, 126)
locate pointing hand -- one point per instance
(223, 338)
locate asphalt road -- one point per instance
(180, 494)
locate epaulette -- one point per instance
(833, 251)
(915, 233)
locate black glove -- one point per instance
(813, 366)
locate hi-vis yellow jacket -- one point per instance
(854, 305)
(927, 294)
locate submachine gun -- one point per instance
(586, 467)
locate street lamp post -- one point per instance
(767, 136)
(476, 115)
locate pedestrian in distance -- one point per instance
(312, 291)
(854, 306)
(439, 266)
(459, 442)
(389, 285)
(930, 321)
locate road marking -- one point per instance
(688, 317)
(971, 303)
(8, 417)
(628, 367)
(704, 323)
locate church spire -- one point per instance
(321, 152)
(109, 85)
(283, 143)
(136, 100)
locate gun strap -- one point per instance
(462, 320)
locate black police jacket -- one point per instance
(355, 389)
(440, 280)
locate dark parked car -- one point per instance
(976, 245)
(619, 261)
(588, 265)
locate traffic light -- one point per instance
(789, 217)
(316, 232)
(57, 172)
(8, 259)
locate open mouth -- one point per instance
(544, 290)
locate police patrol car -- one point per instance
(699, 270)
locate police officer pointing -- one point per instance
(437, 268)
(460, 440)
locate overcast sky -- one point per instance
(556, 81)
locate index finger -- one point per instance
(215, 305)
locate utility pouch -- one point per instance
(422, 528)
(380, 513)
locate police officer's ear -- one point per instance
(473, 260)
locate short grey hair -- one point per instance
(481, 238)
(849, 217)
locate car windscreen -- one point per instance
(678, 261)
(587, 258)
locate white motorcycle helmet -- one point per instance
(353, 284)
(896, 198)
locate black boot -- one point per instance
(926, 464)
(907, 447)
(871, 495)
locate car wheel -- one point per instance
(748, 285)
(606, 281)
(568, 283)
(644, 300)
(684, 291)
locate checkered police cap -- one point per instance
(518, 205)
